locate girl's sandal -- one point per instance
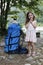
(33, 54)
(29, 54)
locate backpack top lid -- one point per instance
(14, 26)
(14, 29)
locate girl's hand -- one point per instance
(34, 24)
(30, 21)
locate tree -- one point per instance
(4, 11)
(31, 5)
(25, 5)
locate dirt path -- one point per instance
(22, 59)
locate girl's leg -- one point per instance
(29, 49)
(33, 49)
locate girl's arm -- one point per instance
(34, 24)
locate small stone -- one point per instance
(36, 57)
(33, 62)
(10, 57)
(41, 56)
(3, 57)
(38, 54)
(29, 59)
(42, 48)
(38, 63)
(41, 60)
(28, 64)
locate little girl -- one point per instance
(30, 33)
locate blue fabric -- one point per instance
(14, 29)
(11, 48)
(12, 39)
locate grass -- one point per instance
(39, 23)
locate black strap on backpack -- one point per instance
(9, 43)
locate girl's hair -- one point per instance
(27, 17)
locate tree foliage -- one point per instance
(31, 5)
(25, 5)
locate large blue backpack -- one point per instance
(12, 39)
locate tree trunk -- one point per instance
(7, 9)
(4, 14)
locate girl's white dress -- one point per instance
(31, 33)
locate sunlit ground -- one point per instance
(22, 59)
